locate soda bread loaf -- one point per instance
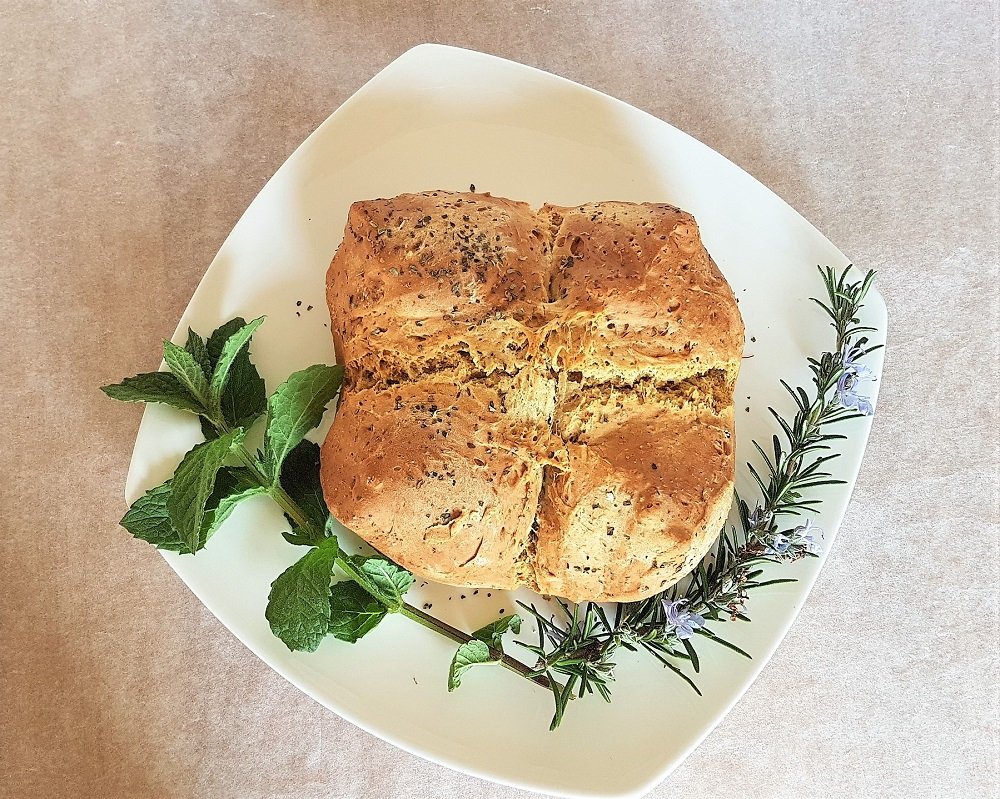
(540, 399)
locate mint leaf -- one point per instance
(244, 397)
(220, 336)
(487, 641)
(215, 517)
(149, 520)
(300, 536)
(353, 611)
(392, 580)
(187, 370)
(296, 408)
(160, 387)
(196, 346)
(298, 607)
(300, 479)
(222, 365)
(381, 578)
(208, 429)
(468, 655)
(194, 482)
(492, 633)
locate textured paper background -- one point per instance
(133, 135)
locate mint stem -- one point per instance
(287, 504)
(278, 494)
(456, 635)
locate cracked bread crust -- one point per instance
(538, 399)
(436, 283)
(644, 494)
(442, 477)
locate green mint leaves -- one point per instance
(234, 344)
(185, 367)
(390, 581)
(216, 380)
(194, 482)
(295, 409)
(468, 655)
(381, 578)
(218, 509)
(300, 481)
(149, 520)
(243, 398)
(195, 344)
(298, 607)
(486, 647)
(493, 632)
(353, 611)
(303, 606)
(161, 387)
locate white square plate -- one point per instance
(440, 117)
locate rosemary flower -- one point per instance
(683, 622)
(759, 518)
(805, 536)
(847, 391)
(779, 544)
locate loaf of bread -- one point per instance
(540, 399)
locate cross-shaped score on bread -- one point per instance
(539, 399)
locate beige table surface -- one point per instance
(133, 135)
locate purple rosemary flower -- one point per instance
(779, 544)
(759, 518)
(847, 391)
(683, 622)
(806, 535)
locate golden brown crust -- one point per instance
(441, 477)
(435, 281)
(638, 295)
(509, 372)
(639, 502)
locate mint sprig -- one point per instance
(216, 380)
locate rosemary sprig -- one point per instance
(579, 646)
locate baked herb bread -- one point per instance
(540, 399)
